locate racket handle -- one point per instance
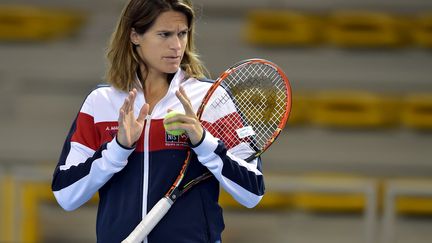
(149, 221)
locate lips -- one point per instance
(172, 57)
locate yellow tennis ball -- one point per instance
(175, 132)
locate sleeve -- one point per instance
(243, 180)
(84, 165)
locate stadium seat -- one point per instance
(329, 202)
(353, 109)
(422, 30)
(300, 108)
(414, 205)
(417, 111)
(31, 23)
(313, 192)
(364, 29)
(32, 195)
(6, 205)
(27, 189)
(404, 195)
(281, 28)
(331, 199)
(270, 201)
(360, 193)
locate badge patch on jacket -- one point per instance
(176, 140)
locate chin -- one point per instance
(172, 69)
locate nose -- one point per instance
(175, 43)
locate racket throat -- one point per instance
(174, 194)
(252, 157)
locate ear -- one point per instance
(134, 36)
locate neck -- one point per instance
(155, 87)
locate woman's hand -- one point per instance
(189, 121)
(130, 129)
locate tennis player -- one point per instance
(118, 147)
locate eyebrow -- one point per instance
(172, 31)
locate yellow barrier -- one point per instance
(417, 111)
(6, 209)
(343, 28)
(354, 109)
(364, 29)
(326, 201)
(422, 30)
(270, 201)
(330, 202)
(404, 195)
(414, 205)
(312, 192)
(31, 23)
(32, 194)
(267, 27)
(301, 108)
(21, 198)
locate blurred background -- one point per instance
(353, 164)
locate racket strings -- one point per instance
(258, 93)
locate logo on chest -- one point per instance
(176, 140)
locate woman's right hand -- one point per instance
(130, 129)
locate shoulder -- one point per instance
(194, 83)
(206, 80)
(104, 92)
(198, 87)
(102, 95)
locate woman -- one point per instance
(118, 147)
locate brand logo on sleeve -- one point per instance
(112, 130)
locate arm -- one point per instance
(81, 171)
(243, 180)
(84, 164)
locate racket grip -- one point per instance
(149, 221)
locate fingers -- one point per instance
(125, 105)
(130, 128)
(121, 116)
(180, 118)
(189, 121)
(184, 100)
(128, 105)
(123, 111)
(132, 96)
(143, 113)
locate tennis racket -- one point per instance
(253, 101)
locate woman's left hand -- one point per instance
(188, 121)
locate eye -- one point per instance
(182, 34)
(164, 34)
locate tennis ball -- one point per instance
(175, 132)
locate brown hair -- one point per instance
(123, 58)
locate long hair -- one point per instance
(123, 58)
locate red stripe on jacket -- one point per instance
(94, 135)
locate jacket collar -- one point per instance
(175, 82)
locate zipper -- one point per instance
(146, 147)
(146, 166)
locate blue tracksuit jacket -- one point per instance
(131, 181)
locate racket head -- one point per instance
(253, 97)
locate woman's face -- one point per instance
(162, 46)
